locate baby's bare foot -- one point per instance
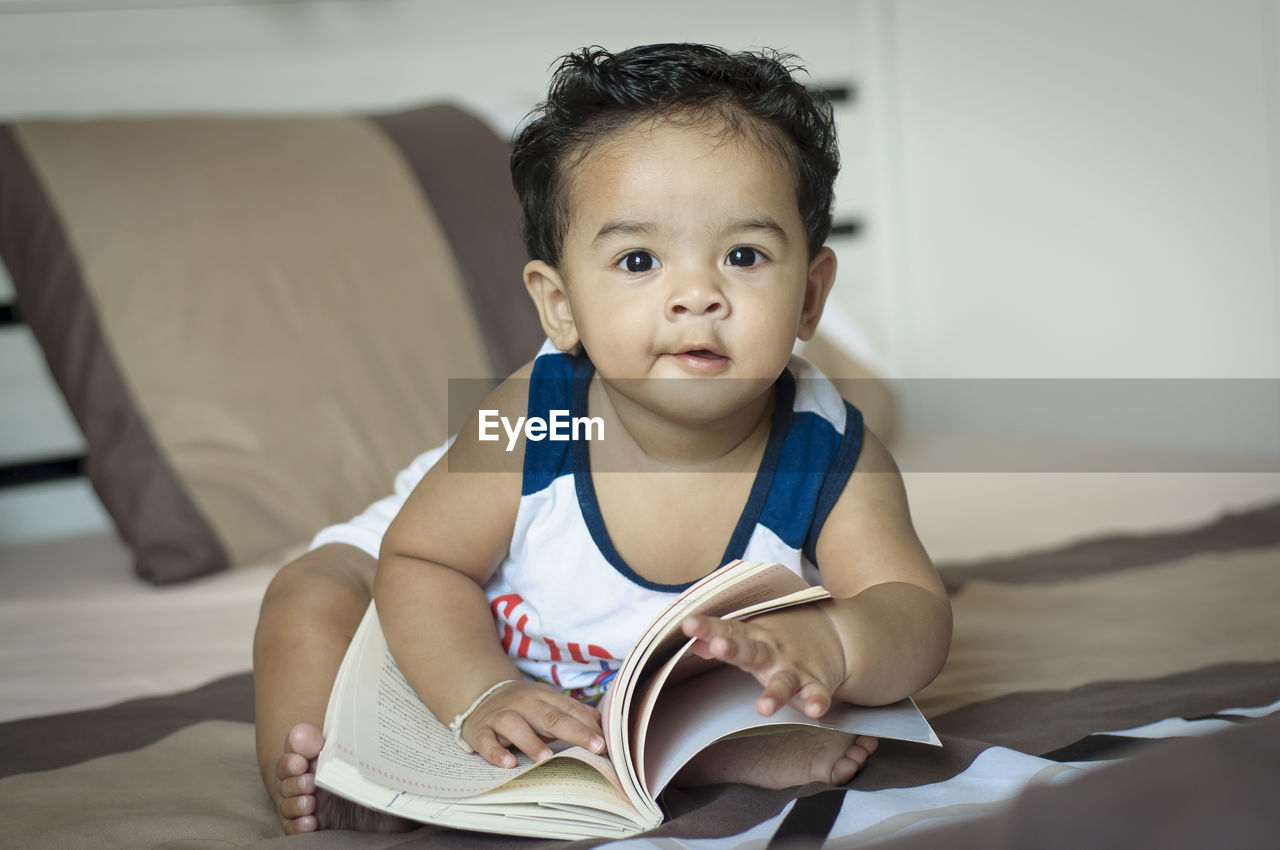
(781, 760)
(303, 807)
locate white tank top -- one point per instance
(567, 607)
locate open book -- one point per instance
(385, 750)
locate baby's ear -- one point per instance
(547, 288)
(822, 274)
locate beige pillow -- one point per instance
(254, 320)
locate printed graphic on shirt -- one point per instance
(580, 669)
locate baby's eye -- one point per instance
(638, 262)
(743, 257)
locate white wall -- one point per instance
(1083, 189)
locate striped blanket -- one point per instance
(1067, 667)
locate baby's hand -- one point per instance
(526, 715)
(795, 653)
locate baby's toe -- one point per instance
(859, 752)
(844, 769)
(305, 739)
(852, 759)
(299, 826)
(298, 806)
(291, 764)
(295, 786)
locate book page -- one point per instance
(537, 811)
(736, 585)
(339, 733)
(684, 664)
(402, 745)
(560, 797)
(691, 715)
(568, 784)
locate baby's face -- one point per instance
(686, 258)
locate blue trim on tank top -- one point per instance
(550, 388)
(837, 477)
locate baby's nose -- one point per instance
(698, 300)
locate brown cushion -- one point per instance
(255, 320)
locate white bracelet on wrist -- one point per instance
(456, 726)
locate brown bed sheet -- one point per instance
(1054, 651)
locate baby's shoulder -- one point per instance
(483, 444)
(875, 456)
(511, 395)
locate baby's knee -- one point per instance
(334, 574)
(334, 565)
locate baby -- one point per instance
(676, 203)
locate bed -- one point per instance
(256, 322)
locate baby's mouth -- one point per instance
(703, 361)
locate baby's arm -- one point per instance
(443, 546)
(886, 633)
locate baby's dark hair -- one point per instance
(595, 93)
